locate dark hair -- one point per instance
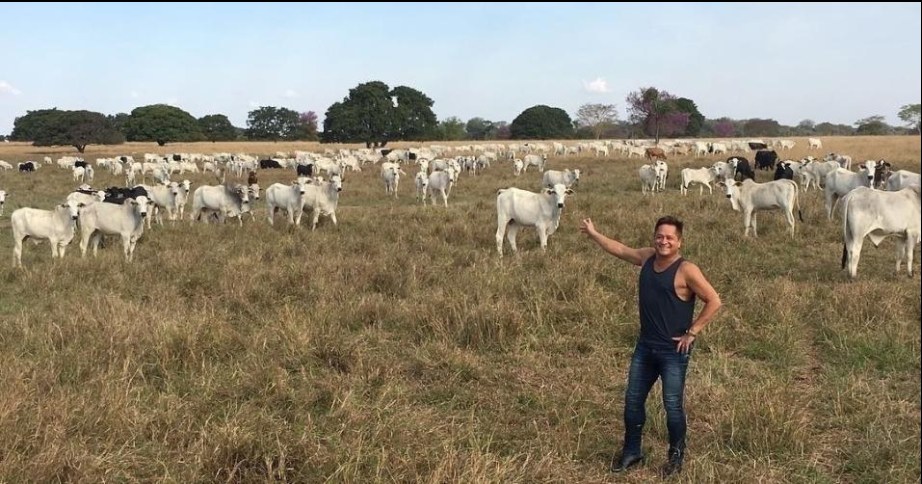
(670, 220)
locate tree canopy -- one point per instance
(649, 107)
(910, 114)
(374, 114)
(216, 127)
(597, 117)
(52, 127)
(542, 122)
(274, 124)
(162, 123)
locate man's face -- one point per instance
(666, 240)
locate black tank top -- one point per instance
(662, 314)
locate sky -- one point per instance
(788, 62)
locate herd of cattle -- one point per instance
(874, 201)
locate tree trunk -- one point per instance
(80, 148)
(161, 142)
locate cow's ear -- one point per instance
(569, 192)
(722, 184)
(739, 184)
(81, 205)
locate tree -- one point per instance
(695, 118)
(274, 124)
(674, 123)
(503, 130)
(451, 129)
(162, 123)
(542, 122)
(911, 114)
(216, 127)
(51, 127)
(806, 125)
(597, 117)
(374, 114)
(308, 126)
(479, 128)
(724, 128)
(873, 126)
(648, 106)
(119, 121)
(829, 129)
(413, 116)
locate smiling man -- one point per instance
(668, 288)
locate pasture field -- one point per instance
(399, 347)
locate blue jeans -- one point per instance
(647, 365)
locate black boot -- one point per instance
(623, 462)
(674, 464)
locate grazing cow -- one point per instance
(516, 208)
(5, 166)
(844, 161)
(2, 200)
(223, 200)
(567, 177)
(118, 195)
(899, 180)
(783, 171)
(126, 220)
(765, 159)
(702, 176)
(755, 146)
(265, 164)
(56, 226)
(539, 161)
(750, 197)
(26, 166)
(323, 198)
(743, 168)
(86, 196)
(814, 143)
(288, 197)
(841, 181)
(654, 154)
(877, 214)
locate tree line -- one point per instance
(374, 114)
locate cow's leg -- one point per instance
(747, 221)
(333, 218)
(853, 250)
(500, 233)
(755, 226)
(126, 247)
(511, 231)
(62, 247)
(84, 242)
(17, 252)
(789, 214)
(96, 237)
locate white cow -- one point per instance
(750, 197)
(814, 143)
(898, 180)
(288, 197)
(422, 184)
(539, 161)
(125, 220)
(440, 181)
(390, 174)
(223, 200)
(649, 178)
(323, 198)
(567, 177)
(516, 208)
(841, 181)
(877, 214)
(517, 166)
(161, 197)
(56, 226)
(703, 176)
(2, 200)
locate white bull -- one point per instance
(516, 208)
(223, 200)
(750, 197)
(125, 220)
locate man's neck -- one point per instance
(662, 261)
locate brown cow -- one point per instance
(654, 154)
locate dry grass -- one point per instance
(398, 347)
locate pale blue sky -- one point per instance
(836, 63)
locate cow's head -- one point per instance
(73, 208)
(559, 192)
(732, 191)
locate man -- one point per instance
(668, 288)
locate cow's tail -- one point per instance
(800, 214)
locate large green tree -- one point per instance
(911, 114)
(374, 114)
(649, 107)
(51, 127)
(216, 127)
(542, 122)
(597, 117)
(479, 128)
(162, 123)
(274, 124)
